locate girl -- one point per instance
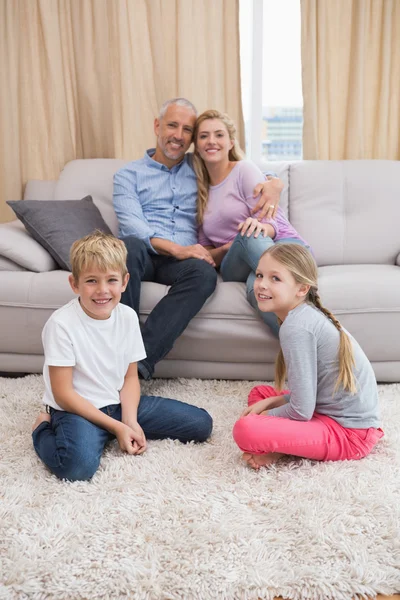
(331, 411)
(225, 204)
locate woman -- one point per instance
(225, 202)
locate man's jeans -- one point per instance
(240, 264)
(71, 447)
(192, 281)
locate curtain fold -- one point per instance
(351, 79)
(85, 79)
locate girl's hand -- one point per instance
(131, 438)
(252, 226)
(257, 408)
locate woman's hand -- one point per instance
(253, 226)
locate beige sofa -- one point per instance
(349, 211)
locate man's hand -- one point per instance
(252, 226)
(195, 251)
(270, 192)
(131, 438)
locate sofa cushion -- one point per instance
(9, 265)
(56, 225)
(92, 176)
(348, 211)
(366, 300)
(17, 246)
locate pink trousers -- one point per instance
(321, 438)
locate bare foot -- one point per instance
(255, 461)
(42, 416)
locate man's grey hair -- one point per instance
(179, 102)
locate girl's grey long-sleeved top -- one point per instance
(310, 345)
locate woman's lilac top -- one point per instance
(231, 201)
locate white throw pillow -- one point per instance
(19, 247)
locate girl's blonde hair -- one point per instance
(103, 250)
(301, 264)
(203, 179)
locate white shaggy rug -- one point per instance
(192, 522)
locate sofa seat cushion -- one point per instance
(226, 329)
(366, 300)
(360, 288)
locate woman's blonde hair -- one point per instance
(103, 250)
(301, 264)
(203, 179)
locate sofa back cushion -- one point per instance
(349, 211)
(93, 176)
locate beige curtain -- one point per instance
(351, 79)
(85, 78)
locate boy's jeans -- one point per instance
(240, 264)
(71, 447)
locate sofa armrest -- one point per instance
(19, 247)
(398, 260)
(37, 189)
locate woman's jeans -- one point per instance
(71, 447)
(240, 264)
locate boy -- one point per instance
(92, 392)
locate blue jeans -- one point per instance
(240, 264)
(192, 281)
(71, 447)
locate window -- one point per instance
(270, 52)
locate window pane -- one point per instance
(282, 99)
(281, 104)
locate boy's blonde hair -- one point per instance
(99, 249)
(301, 264)
(203, 178)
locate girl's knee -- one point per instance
(260, 392)
(243, 431)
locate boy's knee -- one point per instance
(203, 426)
(77, 466)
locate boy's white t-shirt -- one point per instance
(99, 350)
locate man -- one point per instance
(155, 202)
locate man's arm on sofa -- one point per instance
(128, 209)
(270, 191)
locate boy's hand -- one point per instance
(131, 438)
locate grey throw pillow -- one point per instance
(57, 224)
